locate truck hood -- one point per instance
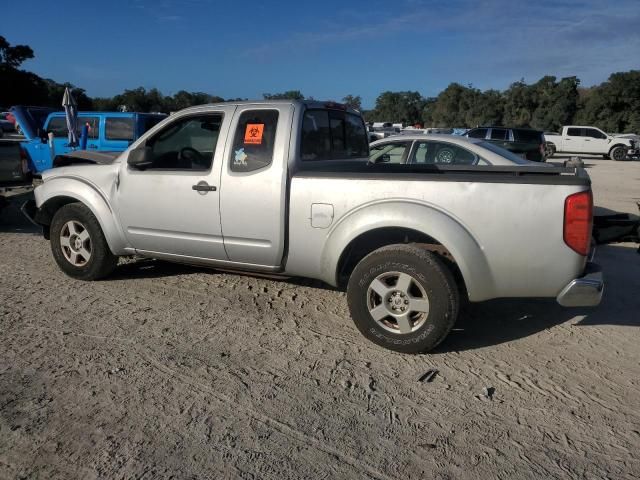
(97, 174)
(85, 157)
(30, 119)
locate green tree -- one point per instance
(519, 104)
(398, 107)
(556, 103)
(352, 101)
(13, 56)
(614, 105)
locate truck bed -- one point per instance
(502, 226)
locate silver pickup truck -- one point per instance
(286, 187)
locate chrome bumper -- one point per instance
(585, 291)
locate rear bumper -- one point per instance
(585, 291)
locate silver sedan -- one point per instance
(442, 150)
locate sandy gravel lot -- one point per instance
(167, 371)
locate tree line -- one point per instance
(549, 103)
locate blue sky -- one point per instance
(327, 49)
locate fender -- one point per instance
(419, 216)
(90, 195)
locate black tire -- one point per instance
(429, 276)
(618, 153)
(101, 261)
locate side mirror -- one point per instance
(140, 158)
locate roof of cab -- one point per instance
(328, 105)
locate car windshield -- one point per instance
(503, 152)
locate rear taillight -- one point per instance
(578, 220)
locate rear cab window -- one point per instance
(333, 135)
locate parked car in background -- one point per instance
(525, 142)
(434, 149)
(426, 131)
(108, 131)
(7, 123)
(287, 187)
(14, 170)
(592, 141)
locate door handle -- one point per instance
(203, 187)
(587, 140)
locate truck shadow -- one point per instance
(11, 218)
(499, 321)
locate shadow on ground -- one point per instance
(498, 321)
(11, 218)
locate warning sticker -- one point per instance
(253, 134)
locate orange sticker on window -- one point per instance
(253, 133)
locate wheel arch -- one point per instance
(400, 221)
(50, 199)
(616, 146)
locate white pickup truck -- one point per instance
(287, 187)
(589, 140)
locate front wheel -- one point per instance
(78, 244)
(403, 298)
(618, 153)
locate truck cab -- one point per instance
(107, 131)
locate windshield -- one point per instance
(503, 152)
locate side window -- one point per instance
(119, 128)
(254, 140)
(593, 133)
(186, 144)
(442, 153)
(499, 134)
(573, 132)
(477, 133)
(58, 126)
(389, 153)
(94, 126)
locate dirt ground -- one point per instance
(166, 371)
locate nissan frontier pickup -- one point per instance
(287, 187)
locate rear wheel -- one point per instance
(618, 153)
(78, 244)
(403, 298)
